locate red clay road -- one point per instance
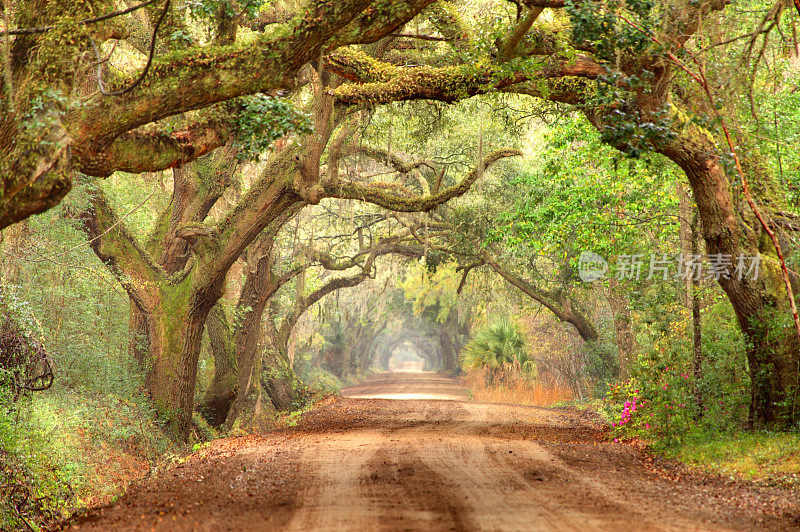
(368, 461)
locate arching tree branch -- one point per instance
(120, 250)
(380, 194)
(376, 82)
(559, 304)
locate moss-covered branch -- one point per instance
(303, 304)
(545, 3)
(269, 199)
(34, 174)
(198, 77)
(138, 152)
(393, 159)
(508, 49)
(120, 251)
(382, 193)
(558, 303)
(386, 246)
(375, 82)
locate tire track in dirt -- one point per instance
(331, 471)
(421, 495)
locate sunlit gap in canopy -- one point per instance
(408, 378)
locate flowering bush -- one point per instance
(653, 409)
(664, 401)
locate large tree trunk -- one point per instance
(277, 376)
(174, 312)
(139, 340)
(176, 330)
(772, 351)
(220, 395)
(260, 285)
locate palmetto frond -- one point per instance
(497, 345)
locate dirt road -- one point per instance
(363, 462)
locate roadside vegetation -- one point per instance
(769, 457)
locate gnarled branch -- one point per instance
(136, 152)
(380, 193)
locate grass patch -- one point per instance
(514, 389)
(762, 456)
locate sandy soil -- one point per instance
(438, 464)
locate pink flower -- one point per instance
(616, 440)
(647, 425)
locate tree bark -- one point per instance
(218, 398)
(179, 319)
(623, 331)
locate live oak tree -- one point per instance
(62, 126)
(622, 66)
(58, 120)
(174, 287)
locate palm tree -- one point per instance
(497, 347)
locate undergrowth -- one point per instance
(70, 450)
(699, 417)
(773, 457)
(511, 387)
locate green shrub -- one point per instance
(664, 401)
(498, 347)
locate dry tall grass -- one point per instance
(514, 389)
